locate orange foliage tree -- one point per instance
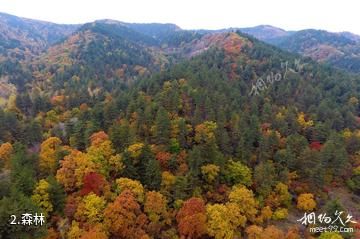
(191, 218)
(73, 169)
(124, 218)
(155, 207)
(5, 153)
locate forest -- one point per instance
(113, 133)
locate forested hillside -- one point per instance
(341, 50)
(149, 131)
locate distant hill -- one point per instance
(267, 33)
(21, 37)
(337, 49)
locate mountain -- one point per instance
(337, 49)
(21, 40)
(21, 37)
(267, 33)
(121, 130)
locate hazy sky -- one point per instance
(332, 15)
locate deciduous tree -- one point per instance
(48, 157)
(124, 218)
(306, 202)
(191, 218)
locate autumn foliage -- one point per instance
(124, 217)
(191, 218)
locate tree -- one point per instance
(306, 202)
(303, 122)
(191, 218)
(135, 150)
(124, 218)
(22, 174)
(244, 199)
(237, 173)
(73, 169)
(210, 172)
(280, 214)
(264, 178)
(330, 235)
(6, 150)
(48, 157)
(152, 177)
(41, 196)
(223, 220)
(272, 232)
(162, 126)
(101, 152)
(205, 132)
(167, 180)
(163, 158)
(254, 232)
(95, 232)
(354, 181)
(134, 186)
(311, 168)
(120, 135)
(279, 197)
(90, 209)
(57, 195)
(75, 231)
(265, 214)
(334, 155)
(155, 207)
(95, 183)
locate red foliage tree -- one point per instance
(316, 145)
(93, 182)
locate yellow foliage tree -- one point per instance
(306, 202)
(41, 196)
(245, 200)
(210, 172)
(223, 220)
(90, 210)
(265, 214)
(133, 186)
(330, 235)
(48, 155)
(301, 120)
(135, 149)
(280, 214)
(75, 232)
(101, 152)
(167, 180)
(279, 197)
